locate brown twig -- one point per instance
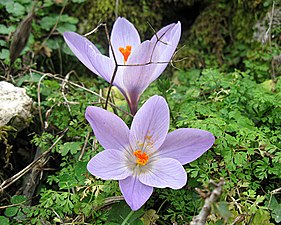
(39, 101)
(12, 205)
(94, 30)
(84, 146)
(83, 88)
(54, 27)
(276, 191)
(108, 201)
(201, 218)
(63, 91)
(115, 68)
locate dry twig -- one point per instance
(81, 87)
(201, 218)
(54, 27)
(84, 146)
(276, 191)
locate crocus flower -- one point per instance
(131, 78)
(146, 155)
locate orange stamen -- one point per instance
(126, 52)
(142, 157)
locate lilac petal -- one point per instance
(164, 172)
(134, 192)
(123, 34)
(137, 78)
(103, 65)
(186, 144)
(109, 165)
(164, 31)
(165, 45)
(110, 130)
(150, 125)
(82, 48)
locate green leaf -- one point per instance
(83, 207)
(3, 43)
(120, 211)
(68, 19)
(72, 147)
(66, 27)
(276, 214)
(262, 217)
(78, 1)
(15, 8)
(17, 199)
(48, 22)
(80, 170)
(30, 78)
(12, 211)
(276, 209)
(223, 210)
(6, 30)
(4, 54)
(24, 1)
(4, 220)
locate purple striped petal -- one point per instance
(110, 130)
(186, 144)
(134, 192)
(150, 125)
(123, 34)
(137, 78)
(82, 48)
(165, 44)
(109, 165)
(103, 65)
(164, 172)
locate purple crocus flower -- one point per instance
(145, 156)
(131, 80)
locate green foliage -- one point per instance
(117, 216)
(258, 62)
(242, 115)
(4, 220)
(275, 208)
(228, 92)
(47, 18)
(14, 210)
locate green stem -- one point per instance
(127, 218)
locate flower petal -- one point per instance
(165, 44)
(137, 78)
(134, 192)
(186, 144)
(82, 48)
(150, 125)
(109, 165)
(123, 34)
(103, 65)
(164, 172)
(110, 130)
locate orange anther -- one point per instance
(148, 137)
(126, 52)
(142, 157)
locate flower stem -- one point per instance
(127, 218)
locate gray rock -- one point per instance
(15, 106)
